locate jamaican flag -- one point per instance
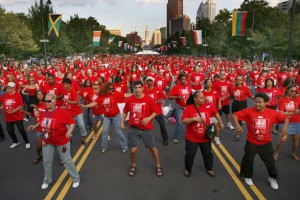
(54, 25)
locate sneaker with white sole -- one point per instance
(108, 137)
(14, 145)
(248, 181)
(229, 125)
(75, 185)
(175, 141)
(217, 140)
(27, 145)
(273, 183)
(45, 186)
(26, 120)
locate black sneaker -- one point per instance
(165, 142)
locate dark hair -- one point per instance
(101, 78)
(67, 80)
(288, 88)
(123, 72)
(105, 88)
(264, 96)
(50, 75)
(138, 82)
(288, 81)
(269, 79)
(118, 79)
(85, 82)
(35, 100)
(191, 100)
(181, 75)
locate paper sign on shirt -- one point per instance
(107, 103)
(138, 112)
(185, 94)
(260, 128)
(9, 104)
(237, 94)
(290, 107)
(198, 127)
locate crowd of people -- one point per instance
(110, 89)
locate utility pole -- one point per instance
(290, 45)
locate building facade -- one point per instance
(286, 6)
(179, 24)
(147, 36)
(209, 10)
(174, 9)
(115, 31)
(156, 38)
(133, 38)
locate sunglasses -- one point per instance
(49, 101)
(96, 84)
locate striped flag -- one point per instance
(174, 43)
(120, 43)
(183, 41)
(125, 46)
(198, 36)
(110, 40)
(239, 19)
(96, 38)
(54, 25)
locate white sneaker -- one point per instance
(248, 181)
(124, 150)
(45, 186)
(75, 185)
(175, 141)
(229, 125)
(104, 150)
(108, 137)
(14, 145)
(27, 145)
(26, 120)
(273, 183)
(217, 140)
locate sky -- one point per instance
(126, 15)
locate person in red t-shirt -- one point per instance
(158, 95)
(85, 90)
(72, 106)
(180, 93)
(142, 111)
(197, 78)
(108, 99)
(289, 105)
(56, 135)
(12, 103)
(35, 108)
(29, 91)
(195, 131)
(54, 88)
(259, 121)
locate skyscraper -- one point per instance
(156, 38)
(209, 10)
(174, 9)
(200, 13)
(147, 36)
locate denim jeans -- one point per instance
(88, 117)
(178, 132)
(163, 130)
(48, 155)
(80, 123)
(116, 121)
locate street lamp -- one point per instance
(44, 40)
(251, 39)
(205, 45)
(291, 33)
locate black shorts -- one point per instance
(238, 105)
(225, 109)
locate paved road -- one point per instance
(104, 175)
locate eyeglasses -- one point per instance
(111, 89)
(49, 101)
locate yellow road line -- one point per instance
(68, 184)
(64, 174)
(237, 167)
(232, 174)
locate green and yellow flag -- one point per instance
(54, 25)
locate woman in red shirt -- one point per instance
(29, 90)
(289, 105)
(85, 90)
(108, 99)
(195, 129)
(56, 135)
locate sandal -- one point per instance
(274, 132)
(211, 173)
(295, 157)
(159, 172)
(236, 138)
(186, 173)
(36, 160)
(132, 171)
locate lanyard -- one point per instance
(50, 116)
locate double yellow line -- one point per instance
(233, 175)
(62, 177)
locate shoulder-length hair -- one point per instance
(105, 88)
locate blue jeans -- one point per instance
(48, 155)
(88, 116)
(80, 123)
(179, 126)
(116, 121)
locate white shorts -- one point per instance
(213, 120)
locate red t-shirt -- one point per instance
(36, 113)
(56, 89)
(195, 130)
(197, 79)
(289, 105)
(156, 93)
(223, 88)
(11, 102)
(121, 87)
(259, 123)
(212, 97)
(73, 109)
(93, 97)
(272, 94)
(55, 124)
(140, 109)
(183, 91)
(240, 93)
(110, 103)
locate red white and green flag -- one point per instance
(183, 41)
(239, 19)
(198, 36)
(110, 40)
(120, 43)
(96, 38)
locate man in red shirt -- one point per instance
(12, 103)
(259, 121)
(142, 111)
(158, 95)
(54, 88)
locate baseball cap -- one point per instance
(149, 78)
(11, 84)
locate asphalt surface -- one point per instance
(104, 175)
